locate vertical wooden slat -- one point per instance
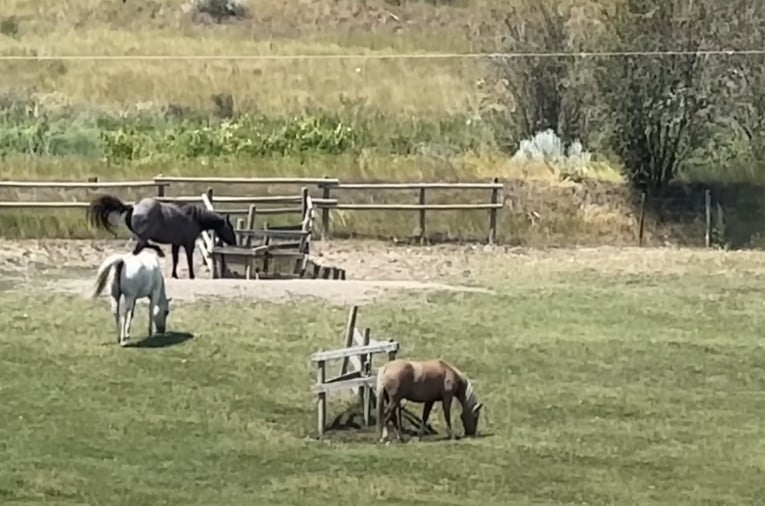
(493, 213)
(422, 216)
(325, 194)
(321, 409)
(350, 325)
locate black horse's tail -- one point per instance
(103, 206)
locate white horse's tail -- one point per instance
(116, 260)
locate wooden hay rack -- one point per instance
(356, 372)
(257, 250)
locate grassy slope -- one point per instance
(420, 88)
(625, 378)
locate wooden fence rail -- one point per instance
(493, 206)
(326, 203)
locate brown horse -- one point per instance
(424, 382)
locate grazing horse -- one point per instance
(424, 382)
(165, 223)
(135, 277)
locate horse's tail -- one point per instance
(103, 206)
(380, 399)
(116, 260)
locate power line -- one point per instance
(387, 56)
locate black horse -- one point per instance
(164, 223)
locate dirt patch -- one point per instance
(342, 293)
(374, 270)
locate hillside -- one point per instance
(359, 117)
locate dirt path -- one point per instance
(375, 270)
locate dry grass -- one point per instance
(539, 209)
(164, 28)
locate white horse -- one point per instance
(135, 277)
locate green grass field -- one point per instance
(609, 377)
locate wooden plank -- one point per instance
(416, 207)
(276, 253)
(43, 205)
(345, 377)
(384, 347)
(328, 388)
(350, 327)
(417, 186)
(81, 184)
(261, 210)
(273, 233)
(207, 201)
(246, 180)
(357, 339)
(265, 199)
(240, 251)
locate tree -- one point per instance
(658, 103)
(740, 26)
(547, 92)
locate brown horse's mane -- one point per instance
(469, 392)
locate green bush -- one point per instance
(148, 136)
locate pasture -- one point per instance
(610, 376)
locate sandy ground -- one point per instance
(374, 270)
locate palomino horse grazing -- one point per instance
(425, 382)
(135, 277)
(165, 223)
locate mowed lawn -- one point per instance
(601, 386)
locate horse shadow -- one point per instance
(351, 421)
(164, 340)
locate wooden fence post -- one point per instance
(325, 194)
(422, 215)
(493, 213)
(366, 369)
(303, 202)
(321, 410)
(642, 218)
(349, 328)
(707, 218)
(211, 232)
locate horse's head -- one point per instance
(160, 313)
(226, 232)
(470, 419)
(471, 408)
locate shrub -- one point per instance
(571, 162)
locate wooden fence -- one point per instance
(325, 203)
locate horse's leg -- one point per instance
(396, 416)
(139, 245)
(447, 403)
(426, 408)
(123, 309)
(157, 249)
(175, 250)
(129, 319)
(115, 303)
(151, 314)
(390, 412)
(190, 258)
